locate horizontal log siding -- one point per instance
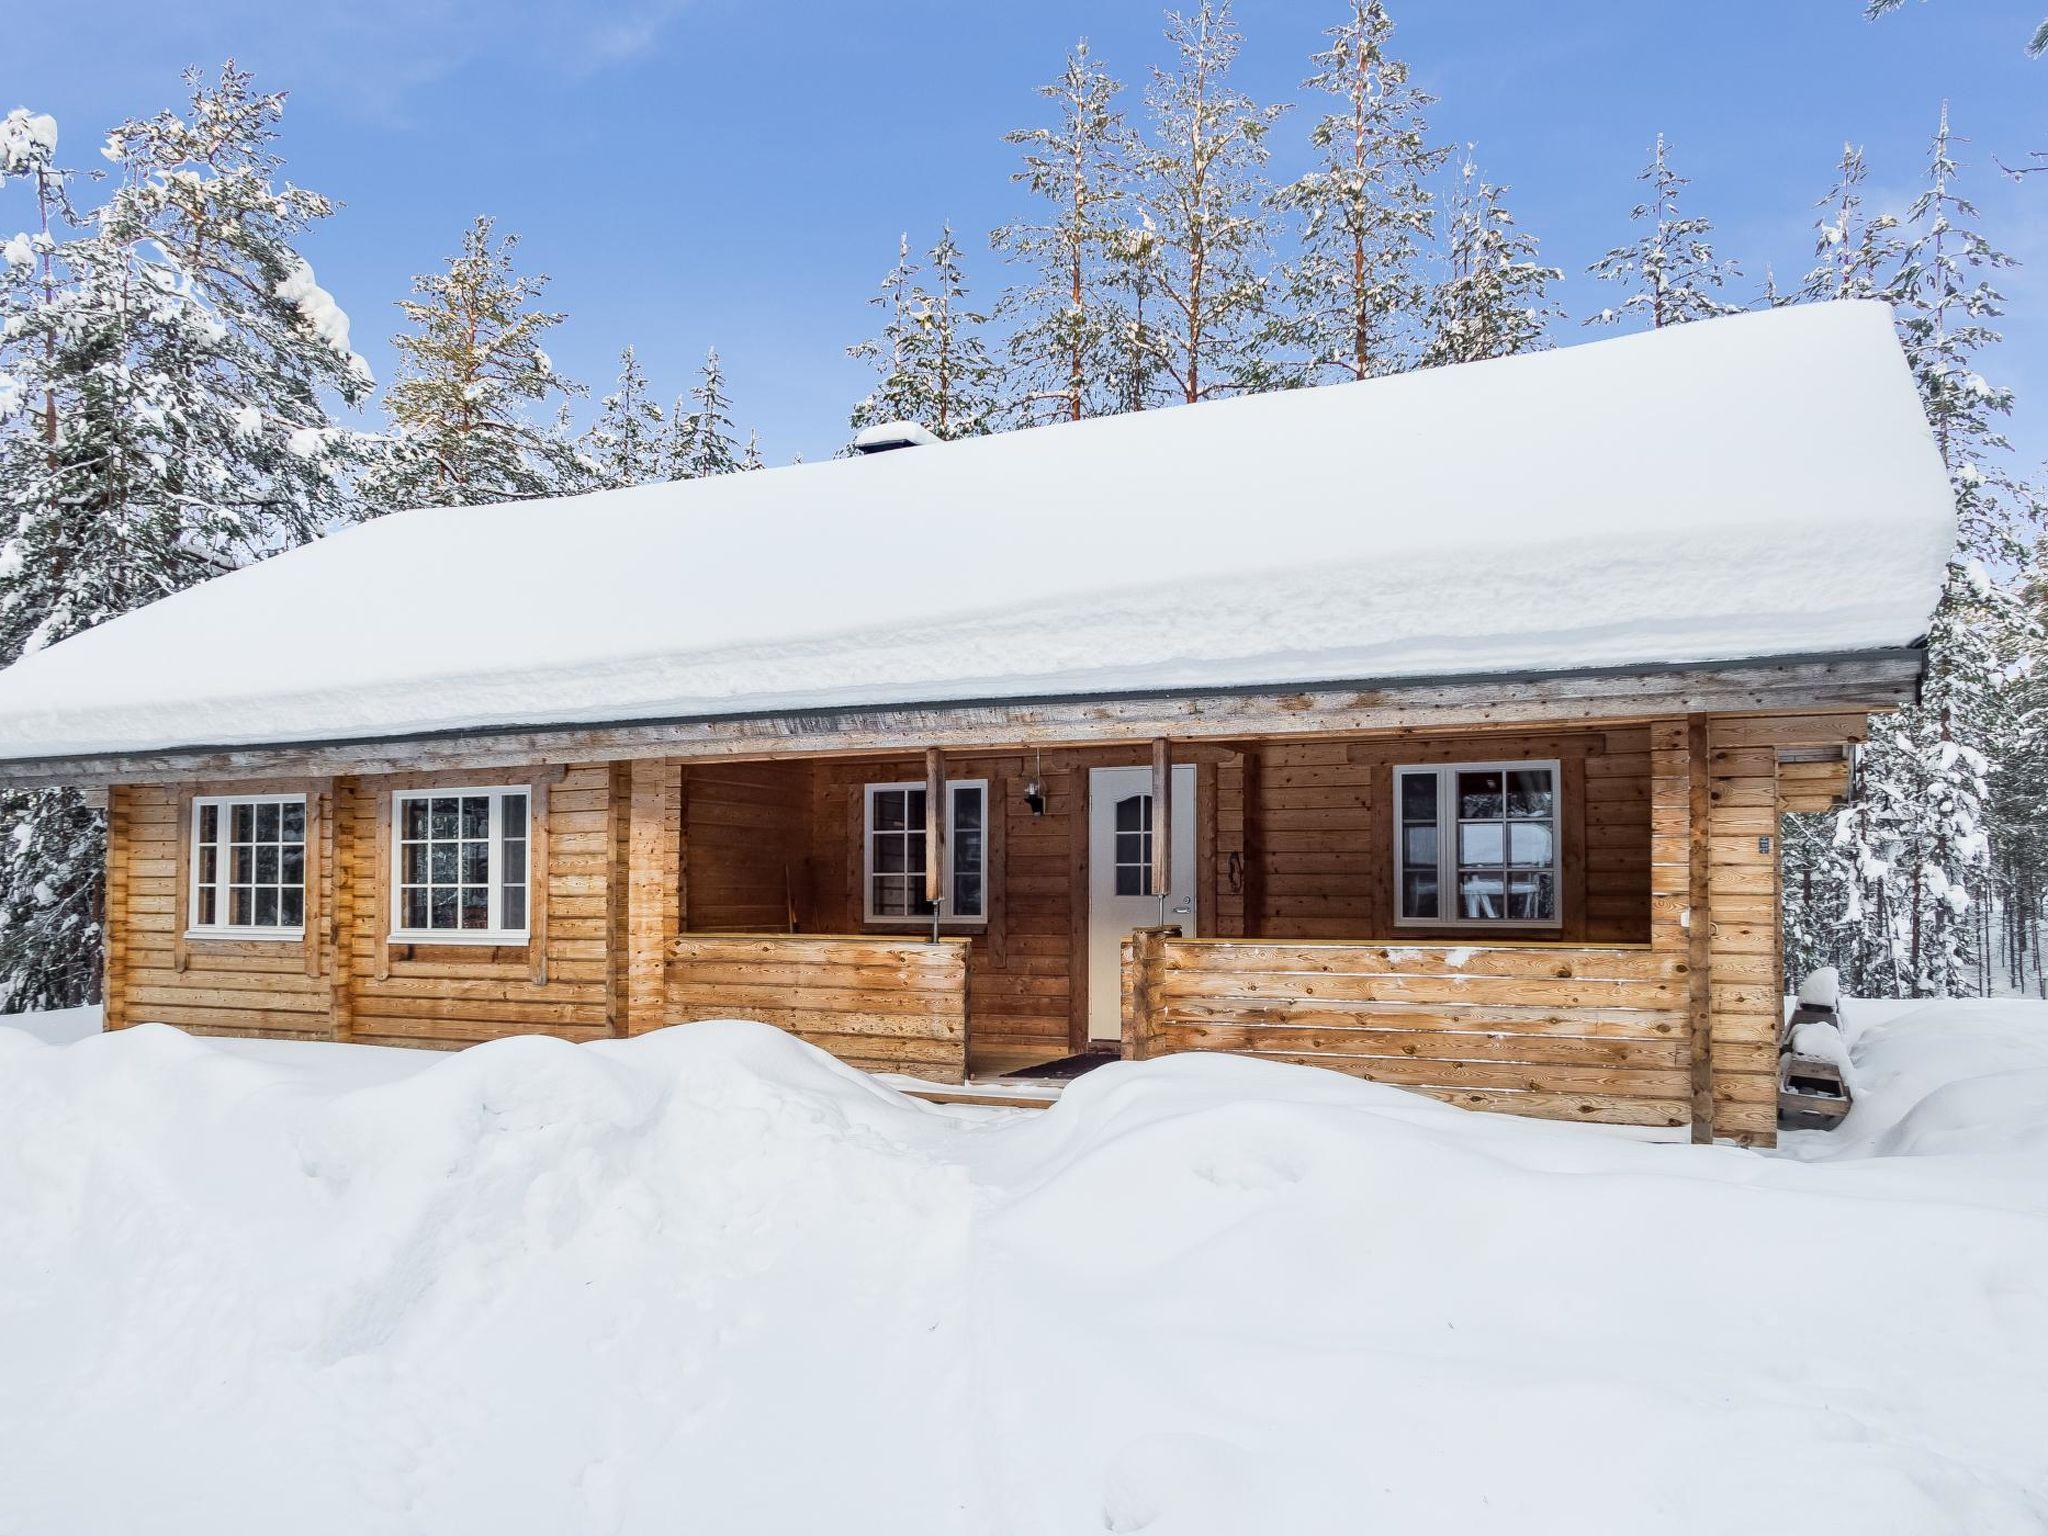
(1568, 1032)
(880, 1004)
(1746, 960)
(745, 828)
(225, 986)
(451, 995)
(1321, 823)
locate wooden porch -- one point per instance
(1627, 1012)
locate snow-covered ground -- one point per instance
(710, 1281)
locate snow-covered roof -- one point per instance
(1745, 488)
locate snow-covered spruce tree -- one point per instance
(1357, 292)
(1670, 269)
(1855, 252)
(179, 360)
(623, 446)
(469, 370)
(934, 365)
(706, 443)
(1494, 300)
(1917, 846)
(1064, 319)
(1205, 214)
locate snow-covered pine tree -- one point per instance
(1494, 300)
(623, 446)
(179, 359)
(1205, 214)
(934, 364)
(1670, 268)
(469, 369)
(711, 445)
(1064, 321)
(1357, 292)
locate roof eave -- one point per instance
(1849, 682)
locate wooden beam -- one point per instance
(652, 873)
(181, 897)
(1699, 927)
(1162, 817)
(934, 826)
(1877, 680)
(538, 856)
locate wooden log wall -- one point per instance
(880, 1004)
(1321, 818)
(344, 981)
(1566, 1032)
(745, 825)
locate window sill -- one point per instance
(260, 935)
(924, 924)
(464, 936)
(1426, 924)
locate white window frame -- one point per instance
(947, 917)
(1446, 775)
(224, 805)
(494, 934)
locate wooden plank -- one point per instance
(1699, 928)
(181, 889)
(651, 890)
(342, 840)
(539, 886)
(319, 809)
(381, 906)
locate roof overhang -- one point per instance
(1851, 683)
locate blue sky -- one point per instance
(715, 171)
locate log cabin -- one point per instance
(1433, 729)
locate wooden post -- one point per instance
(1699, 927)
(313, 915)
(653, 863)
(934, 826)
(538, 857)
(1162, 821)
(115, 917)
(344, 849)
(181, 897)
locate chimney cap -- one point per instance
(886, 436)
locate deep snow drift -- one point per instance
(710, 1281)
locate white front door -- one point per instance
(1120, 893)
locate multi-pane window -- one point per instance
(249, 865)
(1134, 845)
(461, 864)
(1477, 843)
(893, 861)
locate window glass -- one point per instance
(461, 862)
(895, 851)
(1500, 856)
(249, 864)
(1419, 844)
(1133, 821)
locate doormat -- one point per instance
(1067, 1068)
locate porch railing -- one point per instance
(877, 1003)
(1562, 1031)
